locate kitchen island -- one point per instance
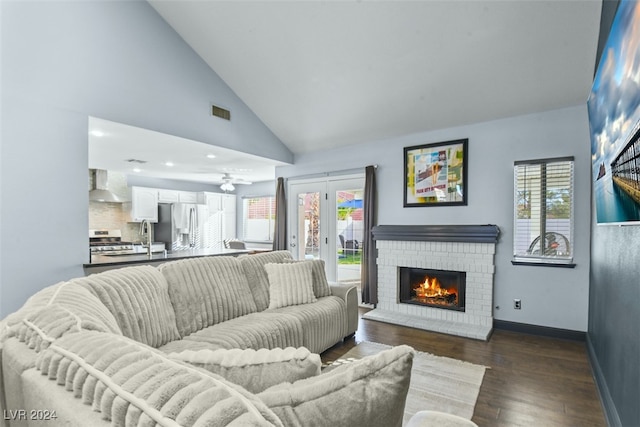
(101, 263)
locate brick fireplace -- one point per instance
(467, 249)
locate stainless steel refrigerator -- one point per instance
(183, 226)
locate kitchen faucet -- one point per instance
(145, 227)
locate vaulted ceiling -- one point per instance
(321, 74)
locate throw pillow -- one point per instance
(290, 284)
(253, 266)
(255, 370)
(320, 284)
(368, 392)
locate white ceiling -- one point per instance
(118, 147)
(321, 74)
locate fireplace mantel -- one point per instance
(438, 233)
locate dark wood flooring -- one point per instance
(532, 380)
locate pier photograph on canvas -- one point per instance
(614, 120)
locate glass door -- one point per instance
(346, 206)
(325, 222)
(306, 203)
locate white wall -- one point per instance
(554, 297)
(61, 63)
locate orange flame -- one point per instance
(431, 287)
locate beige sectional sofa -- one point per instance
(196, 342)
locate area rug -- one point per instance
(437, 383)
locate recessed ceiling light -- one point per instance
(211, 156)
(97, 133)
(137, 170)
(169, 164)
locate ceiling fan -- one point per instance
(228, 181)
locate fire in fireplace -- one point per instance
(433, 288)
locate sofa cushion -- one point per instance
(255, 370)
(130, 384)
(367, 392)
(139, 300)
(324, 322)
(289, 284)
(207, 291)
(253, 266)
(320, 283)
(255, 330)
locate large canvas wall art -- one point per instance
(614, 119)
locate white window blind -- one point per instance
(259, 214)
(543, 206)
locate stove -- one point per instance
(109, 242)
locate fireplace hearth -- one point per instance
(443, 289)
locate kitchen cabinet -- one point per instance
(168, 196)
(187, 197)
(228, 229)
(222, 211)
(212, 200)
(228, 202)
(143, 205)
(177, 196)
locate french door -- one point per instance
(325, 222)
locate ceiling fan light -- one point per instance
(227, 186)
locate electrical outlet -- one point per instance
(517, 304)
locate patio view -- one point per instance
(349, 232)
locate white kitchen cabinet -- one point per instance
(168, 196)
(177, 196)
(143, 205)
(187, 197)
(228, 216)
(212, 200)
(228, 202)
(222, 211)
(228, 225)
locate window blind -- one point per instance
(543, 206)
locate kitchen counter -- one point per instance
(106, 262)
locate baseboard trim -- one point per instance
(545, 331)
(608, 407)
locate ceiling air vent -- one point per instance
(221, 112)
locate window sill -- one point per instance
(533, 263)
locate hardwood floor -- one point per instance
(532, 380)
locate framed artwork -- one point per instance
(436, 174)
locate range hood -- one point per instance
(100, 192)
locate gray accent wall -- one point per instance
(613, 337)
(552, 297)
(61, 63)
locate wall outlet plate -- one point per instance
(517, 304)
